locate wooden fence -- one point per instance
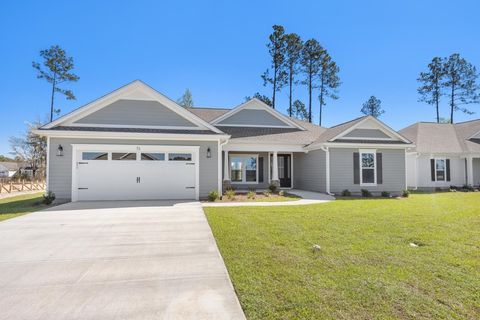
(22, 185)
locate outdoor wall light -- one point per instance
(60, 151)
(209, 153)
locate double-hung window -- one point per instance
(440, 169)
(243, 168)
(368, 167)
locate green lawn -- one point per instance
(17, 206)
(366, 268)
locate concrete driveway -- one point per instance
(114, 260)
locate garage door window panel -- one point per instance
(180, 157)
(153, 156)
(124, 156)
(94, 155)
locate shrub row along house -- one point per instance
(135, 143)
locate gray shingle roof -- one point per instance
(443, 137)
(334, 131)
(11, 166)
(208, 114)
(132, 130)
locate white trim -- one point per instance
(128, 135)
(476, 135)
(358, 145)
(47, 172)
(366, 138)
(327, 169)
(244, 168)
(257, 147)
(368, 151)
(383, 127)
(252, 126)
(124, 91)
(194, 150)
(99, 125)
(257, 104)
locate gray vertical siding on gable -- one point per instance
(476, 171)
(136, 112)
(253, 117)
(60, 171)
(366, 133)
(341, 171)
(309, 171)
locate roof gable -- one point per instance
(255, 113)
(367, 129)
(138, 99)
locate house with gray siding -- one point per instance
(135, 143)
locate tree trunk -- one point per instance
(274, 87)
(321, 102)
(290, 84)
(53, 95)
(310, 97)
(452, 102)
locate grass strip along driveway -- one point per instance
(379, 258)
(17, 206)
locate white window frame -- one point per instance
(444, 169)
(368, 151)
(244, 168)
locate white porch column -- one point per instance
(275, 167)
(470, 170)
(226, 171)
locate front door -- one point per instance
(285, 170)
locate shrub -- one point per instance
(267, 193)
(230, 193)
(213, 195)
(48, 197)
(281, 193)
(346, 193)
(467, 188)
(273, 188)
(251, 194)
(405, 193)
(366, 193)
(385, 194)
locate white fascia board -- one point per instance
(82, 125)
(383, 127)
(128, 135)
(476, 135)
(359, 145)
(257, 147)
(124, 91)
(260, 106)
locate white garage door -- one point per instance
(135, 173)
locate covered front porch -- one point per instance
(258, 167)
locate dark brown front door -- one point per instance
(285, 170)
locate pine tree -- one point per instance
(56, 68)
(293, 53)
(186, 100)
(461, 83)
(373, 107)
(298, 110)
(310, 62)
(430, 89)
(265, 99)
(328, 80)
(277, 76)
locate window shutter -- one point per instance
(356, 168)
(448, 169)
(432, 168)
(260, 169)
(379, 169)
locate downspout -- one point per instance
(327, 169)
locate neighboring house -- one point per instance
(444, 154)
(8, 169)
(135, 143)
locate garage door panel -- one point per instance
(154, 177)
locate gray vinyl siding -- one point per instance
(476, 171)
(309, 171)
(60, 170)
(136, 112)
(260, 185)
(366, 133)
(341, 171)
(253, 117)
